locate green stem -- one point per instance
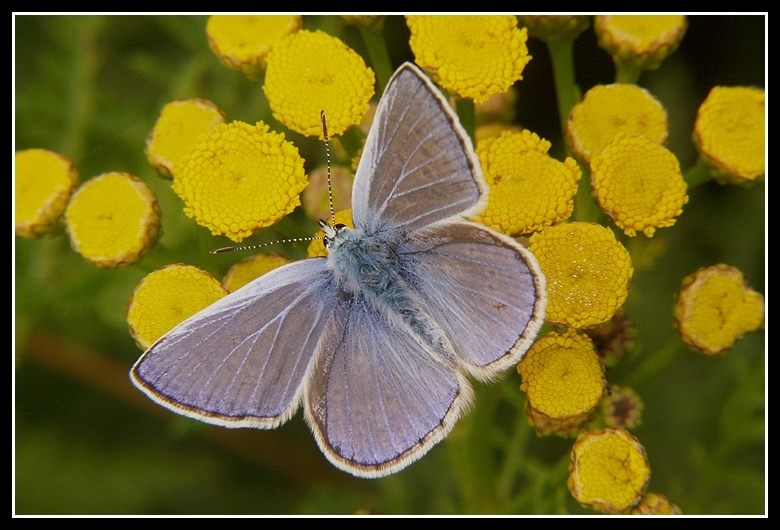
(627, 73)
(561, 55)
(465, 109)
(656, 362)
(377, 52)
(697, 175)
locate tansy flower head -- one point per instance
(564, 381)
(607, 111)
(471, 56)
(609, 470)
(730, 133)
(166, 298)
(311, 71)
(643, 41)
(179, 125)
(315, 198)
(317, 247)
(715, 307)
(638, 184)
(242, 42)
(44, 181)
(656, 504)
(372, 22)
(622, 408)
(251, 268)
(240, 178)
(113, 220)
(587, 272)
(615, 339)
(554, 27)
(529, 190)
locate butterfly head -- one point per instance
(332, 232)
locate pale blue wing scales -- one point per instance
(242, 361)
(377, 401)
(418, 165)
(483, 288)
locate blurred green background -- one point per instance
(87, 442)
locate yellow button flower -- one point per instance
(638, 184)
(715, 307)
(730, 133)
(113, 219)
(607, 111)
(643, 41)
(242, 42)
(529, 190)
(622, 408)
(311, 71)
(554, 27)
(609, 470)
(471, 56)
(564, 380)
(587, 270)
(656, 504)
(317, 247)
(44, 181)
(240, 178)
(167, 297)
(251, 268)
(179, 125)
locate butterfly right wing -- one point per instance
(242, 361)
(418, 165)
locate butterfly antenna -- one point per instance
(261, 245)
(327, 155)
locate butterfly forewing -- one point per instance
(418, 165)
(242, 361)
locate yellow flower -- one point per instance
(638, 184)
(607, 111)
(317, 247)
(609, 470)
(251, 268)
(715, 307)
(242, 42)
(44, 181)
(564, 380)
(311, 71)
(240, 178)
(471, 56)
(656, 504)
(730, 133)
(554, 27)
(643, 41)
(113, 220)
(179, 125)
(587, 270)
(167, 297)
(529, 190)
(316, 198)
(622, 408)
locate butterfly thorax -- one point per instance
(366, 267)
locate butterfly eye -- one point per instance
(339, 227)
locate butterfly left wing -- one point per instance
(377, 400)
(242, 361)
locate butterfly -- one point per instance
(377, 340)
